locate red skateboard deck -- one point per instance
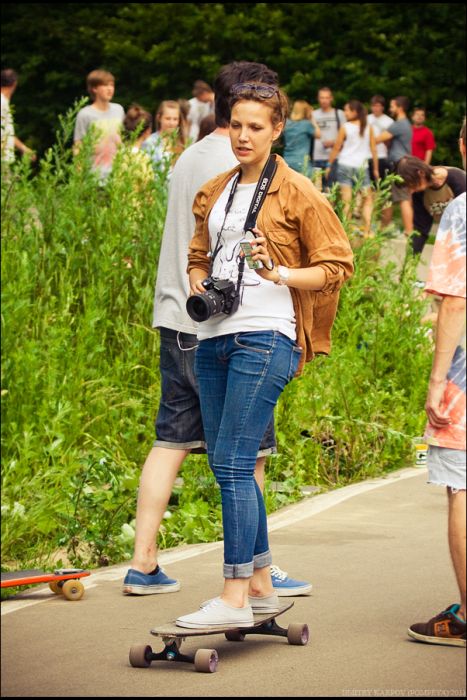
(64, 581)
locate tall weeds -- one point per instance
(80, 382)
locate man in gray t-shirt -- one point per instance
(398, 138)
(329, 121)
(198, 164)
(400, 145)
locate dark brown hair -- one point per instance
(360, 109)
(412, 170)
(402, 102)
(199, 87)
(9, 77)
(237, 72)
(134, 117)
(206, 126)
(378, 100)
(278, 103)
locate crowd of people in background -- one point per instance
(348, 149)
(352, 148)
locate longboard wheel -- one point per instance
(206, 660)
(55, 587)
(234, 636)
(139, 655)
(298, 634)
(73, 590)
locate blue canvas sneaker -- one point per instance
(285, 586)
(146, 584)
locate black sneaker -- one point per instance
(446, 628)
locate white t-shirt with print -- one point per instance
(264, 305)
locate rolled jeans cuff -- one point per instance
(260, 561)
(246, 570)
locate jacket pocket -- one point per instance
(282, 237)
(285, 246)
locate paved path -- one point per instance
(377, 555)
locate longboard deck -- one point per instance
(172, 630)
(32, 576)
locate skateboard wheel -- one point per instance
(140, 655)
(206, 660)
(73, 590)
(298, 634)
(55, 587)
(234, 636)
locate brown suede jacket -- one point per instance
(302, 231)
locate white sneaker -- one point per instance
(264, 604)
(259, 604)
(217, 614)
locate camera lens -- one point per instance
(198, 308)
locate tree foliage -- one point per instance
(157, 50)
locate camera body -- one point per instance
(220, 297)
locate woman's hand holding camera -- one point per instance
(260, 252)
(196, 281)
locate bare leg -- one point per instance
(156, 484)
(386, 216)
(236, 590)
(346, 194)
(367, 210)
(261, 582)
(259, 472)
(457, 540)
(155, 487)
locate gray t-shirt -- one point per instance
(329, 124)
(108, 125)
(200, 162)
(401, 143)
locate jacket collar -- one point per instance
(278, 176)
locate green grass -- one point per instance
(80, 379)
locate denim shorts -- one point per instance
(178, 423)
(446, 467)
(349, 176)
(399, 193)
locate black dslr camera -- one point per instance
(220, 297)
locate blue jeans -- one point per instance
(240, 378)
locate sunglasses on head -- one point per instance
(262, 91)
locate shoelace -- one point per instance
(212, 604)
(278, 573)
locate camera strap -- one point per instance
(257, 202)
(261, 191)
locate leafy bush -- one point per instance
(80, 382)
